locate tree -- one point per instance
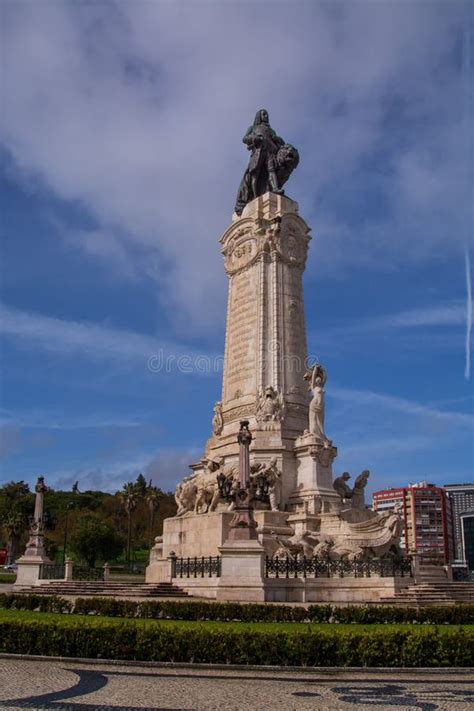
(129, 498)
(94, 538)
(13, 523)
(141, 485)
(15, 489)
(152, 499)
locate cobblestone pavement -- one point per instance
(77, 686)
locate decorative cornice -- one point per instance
(284, 238)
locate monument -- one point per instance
(35, 556)
(268, 383)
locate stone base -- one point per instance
(235, 588)
(314, 493)
(158, 571)
(242, 572)
(334, 590)
(196, 535)
(29, 570)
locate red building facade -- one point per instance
(428, 518)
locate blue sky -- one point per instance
(120, 144)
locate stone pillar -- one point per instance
(265, 350)
(68, 567)
(242, 572)
(159, 569)
(314, 493)
(29, 565)
(106, 572)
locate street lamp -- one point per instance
(243, 525)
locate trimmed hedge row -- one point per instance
(40, 603)
(130, 640)
(230, 611)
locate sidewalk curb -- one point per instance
(450, 671)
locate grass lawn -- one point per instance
(6, 578)
(294, 627)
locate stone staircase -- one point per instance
(80, 588)
(433, 592)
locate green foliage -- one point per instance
(151, 507)
(130, 640)
(141, 485)
(106, 606)
(234, 611)
(95, 538)
(16, 505)
(41, 603)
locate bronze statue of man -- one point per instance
(271, 162)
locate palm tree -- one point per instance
(129, 499)
(153, 501)
(13, 523)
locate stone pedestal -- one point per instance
(158, 571)
(314, 493)
(266, 382)
(195, 535)
(242, 572)
(28, 572)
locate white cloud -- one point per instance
(136, 111)
(399, 440)
(436, 316)
(164, 467)
(54, 420)
(89, 340)
(431, 417)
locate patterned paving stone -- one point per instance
(70, 686)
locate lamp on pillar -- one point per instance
(243, 526)
(242, 555)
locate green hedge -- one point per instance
(130, 640)
(42, 603)
(230, 611)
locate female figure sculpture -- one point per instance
(317, 377)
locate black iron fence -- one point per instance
(204, 567)
(80, 572)
(302, 567)
(51, 571)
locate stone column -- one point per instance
(265, 350)
(68, 567)
(29, 565)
